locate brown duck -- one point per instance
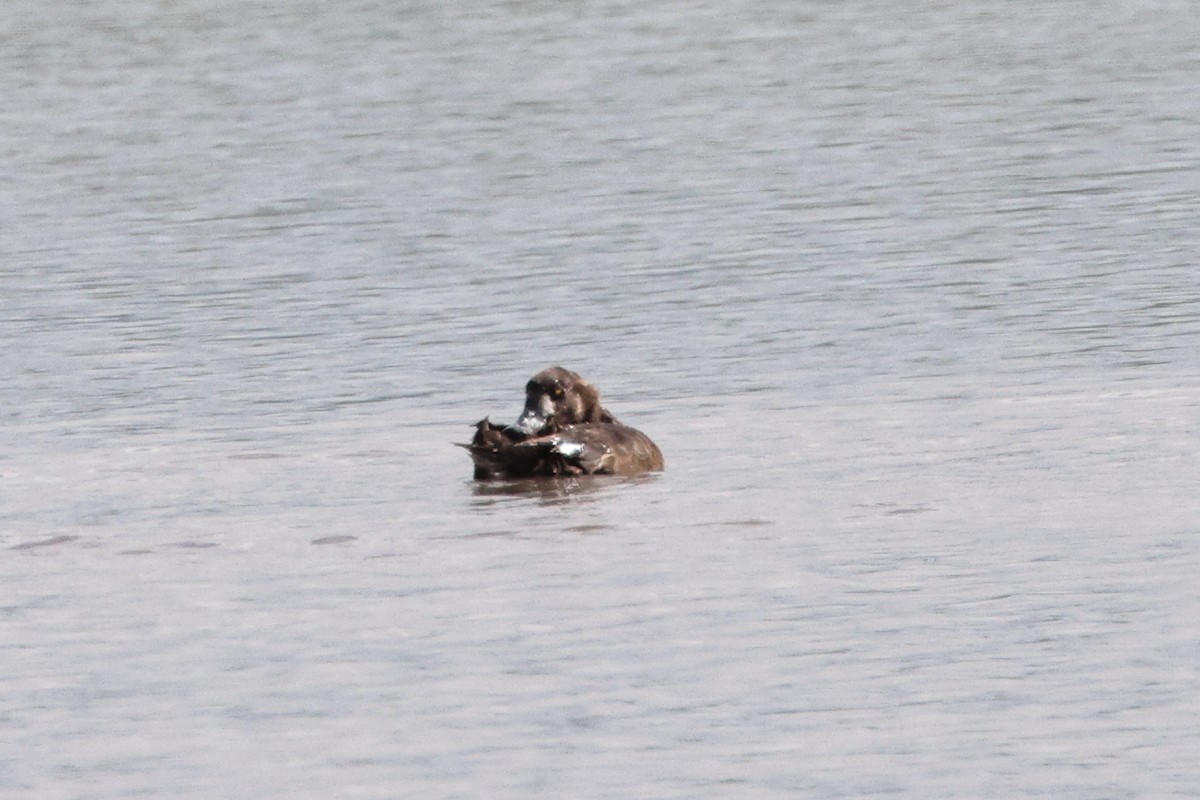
(563, 430)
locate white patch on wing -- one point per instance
(568, 449)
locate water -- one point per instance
(906, 294)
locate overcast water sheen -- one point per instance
(907, 293)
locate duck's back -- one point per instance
(608, 448)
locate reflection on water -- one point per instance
(907, 296)
(552, 491)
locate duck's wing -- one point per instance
(494, 455)
(598, 449)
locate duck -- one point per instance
(563, 430)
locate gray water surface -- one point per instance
(907, 294)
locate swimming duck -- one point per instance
(563, 430)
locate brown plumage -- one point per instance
(563, 430)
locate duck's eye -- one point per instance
(558, 392)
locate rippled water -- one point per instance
(906, 293)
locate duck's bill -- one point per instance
(530, 422)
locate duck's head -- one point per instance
(556, 397)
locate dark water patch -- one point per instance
(342, 539)
(53, 541)
(748, 522)
(589, 528)
(906, 512)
